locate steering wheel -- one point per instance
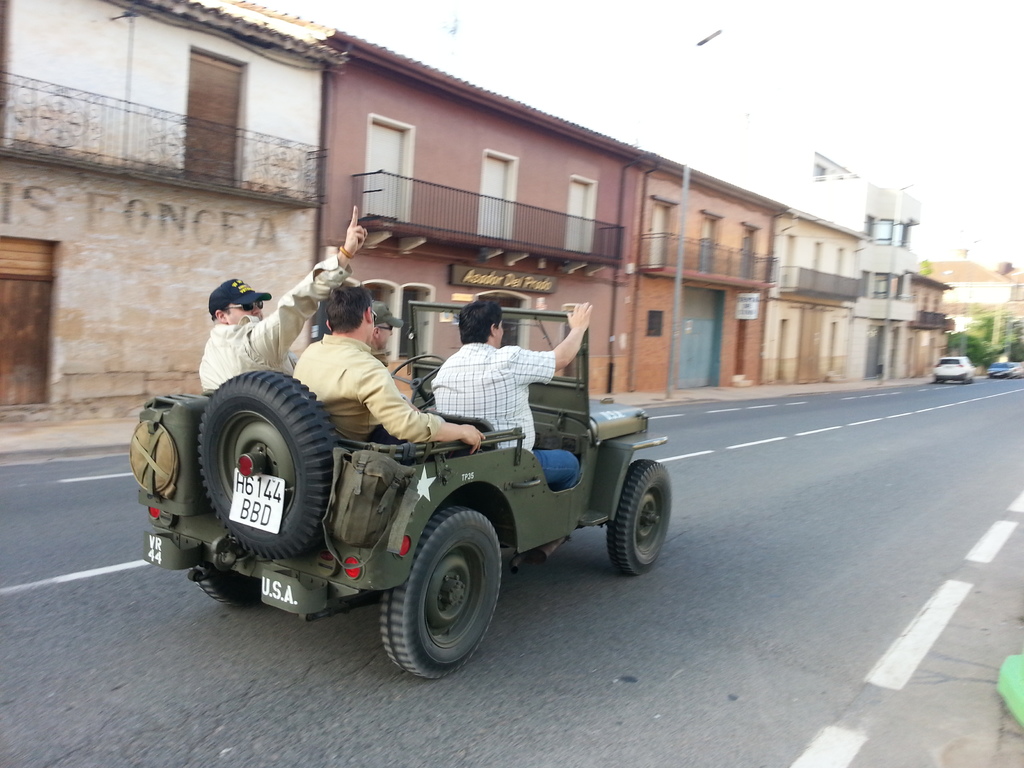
(419, 385)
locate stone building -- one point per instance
(178, 147)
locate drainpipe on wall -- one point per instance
(615, 280)
(326, 102)
(631, 382)
(677, 297)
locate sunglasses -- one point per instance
(247, 307)
(385, 327)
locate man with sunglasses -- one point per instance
(242, 340)
(383, 329)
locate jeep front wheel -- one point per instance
(641, 521)
(431, 625)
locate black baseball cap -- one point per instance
(234, 292)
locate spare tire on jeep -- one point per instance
(282, 431)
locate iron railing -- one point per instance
(413, 207)
(40, 119)
(930, 320)
(660, 251)
(811, 282)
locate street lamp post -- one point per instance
(677, 293)
(674, 351)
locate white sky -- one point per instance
(901, 91)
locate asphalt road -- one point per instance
(808, 537)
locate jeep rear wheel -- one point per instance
(641, 521)
(431, 625)
(277, 420)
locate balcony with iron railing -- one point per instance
(936, 321)
(411, 208)
(659, 252)
(54, 123)
(821, 285)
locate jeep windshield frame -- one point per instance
(433, 330)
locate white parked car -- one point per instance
(954, 369)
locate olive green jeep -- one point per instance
(252, 491)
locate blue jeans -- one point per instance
(561, 468)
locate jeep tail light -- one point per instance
(352, 567)
(245, 465)
(154, 512)
(406, 546)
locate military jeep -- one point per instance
(252, 491)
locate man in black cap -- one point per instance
(242, 340)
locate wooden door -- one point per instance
(26, 278)
(211, 136)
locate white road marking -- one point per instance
(858, 423)
(667, 416)
(897, 415)
(755, 407)
(802, 402)
(816, 431)
(988, 547)
(685, 456)
(756, 442)
(833, 747)
(1018, 504)
(93, 477)
(723, 410)
(898, 664)
(73, 577)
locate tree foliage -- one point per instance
(985, 342)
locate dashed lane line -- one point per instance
(755, 442)
(816, 431)
(94, 477)
(684, 456)
(986, 549)
(899, 663)
(73, 577)
(833, 747)
(1018, 504)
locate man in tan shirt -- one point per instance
(242, 340)
(357, 390)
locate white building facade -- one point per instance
(885, 307)
(810, 310)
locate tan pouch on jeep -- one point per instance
(366, 496)
(154, 459)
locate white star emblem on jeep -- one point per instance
(423, 484)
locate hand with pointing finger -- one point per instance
(355, 236)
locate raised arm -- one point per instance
(579, 321)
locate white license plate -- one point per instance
(258, 501)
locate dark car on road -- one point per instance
(1005, 371)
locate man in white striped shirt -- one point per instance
(487, 381)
